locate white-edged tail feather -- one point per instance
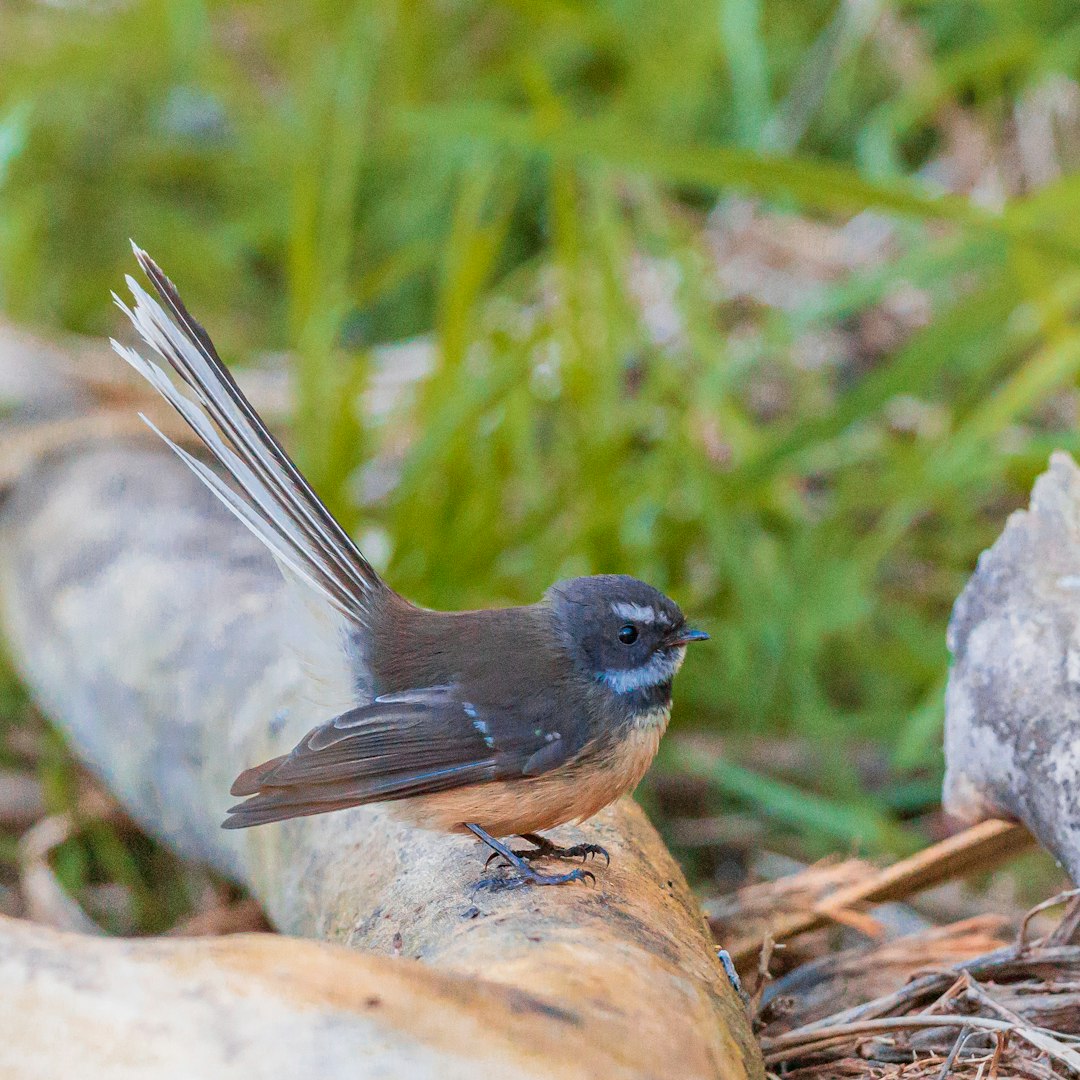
(270, 496)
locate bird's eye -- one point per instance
(628, 634)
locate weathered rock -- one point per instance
(1012, 723)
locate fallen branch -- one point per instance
(263, 1007)
(151, 627)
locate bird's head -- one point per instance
(622, 633)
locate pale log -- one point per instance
(149, 626)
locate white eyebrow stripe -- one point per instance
(643, 613)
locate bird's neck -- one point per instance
(648, 707)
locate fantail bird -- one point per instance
(501, 722)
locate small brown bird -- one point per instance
(501, 722)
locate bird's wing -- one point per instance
(268, 493)
(401, 745)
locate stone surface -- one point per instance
(1012, 716)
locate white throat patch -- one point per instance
(661, 667)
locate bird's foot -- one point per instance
(526, 875)
(544, 849)
(518, 861)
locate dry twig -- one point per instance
(980, 847)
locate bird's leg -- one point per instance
(544, 849)
(526, 875)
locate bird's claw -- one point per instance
(520, 861)
(586, 851)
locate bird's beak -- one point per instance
(686, 635)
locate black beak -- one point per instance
(686, 635)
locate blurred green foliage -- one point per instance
(325, 177)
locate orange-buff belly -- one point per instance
(512, 807)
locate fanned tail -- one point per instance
(270, 496)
